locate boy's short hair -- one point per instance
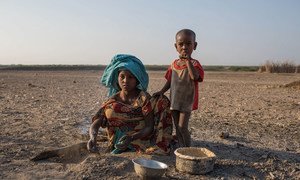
(186, 31)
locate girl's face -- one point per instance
(127, 81)
(185, 44)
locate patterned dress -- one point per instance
(125, 119)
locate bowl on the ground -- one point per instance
(194, 160)
(149, 169)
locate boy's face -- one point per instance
(185, 44)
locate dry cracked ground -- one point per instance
(49, 112)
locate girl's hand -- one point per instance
(123, 142)
(91, 146)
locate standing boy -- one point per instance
(182, 79)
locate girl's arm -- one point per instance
(146, 131)
(98, 121)
(93, 132)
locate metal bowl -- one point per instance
(148, 169)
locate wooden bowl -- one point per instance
(194, 160)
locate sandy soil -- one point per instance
(45, 110)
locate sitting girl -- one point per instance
(135, 121)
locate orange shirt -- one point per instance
(183, 90)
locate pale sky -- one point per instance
(229, 32)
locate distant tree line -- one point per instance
(102, 67)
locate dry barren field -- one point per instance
(45, 110)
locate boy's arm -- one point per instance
(164, 89)
(194, 74)
(167, 85)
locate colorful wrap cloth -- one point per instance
(125, 119)
(121, 62)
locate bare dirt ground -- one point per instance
(44, 110)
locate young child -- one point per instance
(182, 79)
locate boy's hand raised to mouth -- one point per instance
(184, 56)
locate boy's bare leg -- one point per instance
(183, 125)
(175, 116)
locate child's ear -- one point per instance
(195, 46)
(175, 45)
